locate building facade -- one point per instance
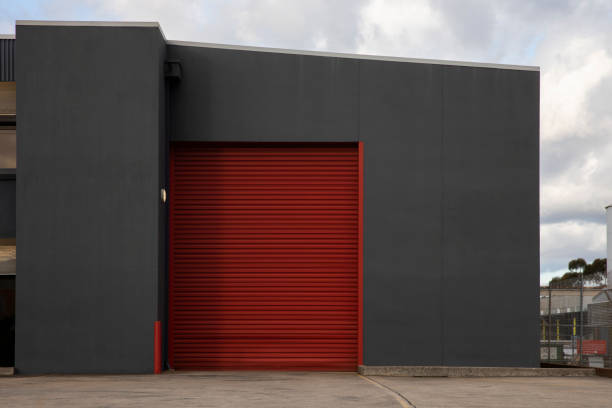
(199, 206)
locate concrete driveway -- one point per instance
(280, 389)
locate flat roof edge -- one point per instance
(151, 24)
(354, 56)
(156, 24)
(89, 23)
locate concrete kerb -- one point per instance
(456, 372)
(442, 371)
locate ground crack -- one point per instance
(404, 402)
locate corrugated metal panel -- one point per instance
(7, 59)
(264, 256)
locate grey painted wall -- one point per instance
(491, 217)
(401, 128)
(89, 219)
(451, 228)
(229, 95)
(7, 59)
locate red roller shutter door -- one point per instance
(264, 256)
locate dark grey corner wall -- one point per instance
(7, 203)
(451, 228)
(88, 183)
(491, 217)
(451, 206)
(163, 178)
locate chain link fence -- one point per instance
(576, 326)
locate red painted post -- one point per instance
(157, 354)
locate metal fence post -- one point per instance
(549, 318)
(573, 338)
(581, 317)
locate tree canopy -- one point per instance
(594, 274)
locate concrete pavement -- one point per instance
(509, 392)
(296, 389)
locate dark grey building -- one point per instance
(201, 206)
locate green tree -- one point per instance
(594, 273)
(577, 264)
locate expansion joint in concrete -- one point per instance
(403, 401)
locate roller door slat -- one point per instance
(264, 256)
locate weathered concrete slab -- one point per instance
(282, 389)
(507, 392)
(223, 389)
(439, 371)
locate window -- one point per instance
(8, 256)
(8, 140)
(8, 147)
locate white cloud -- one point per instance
(566, 83)
(395, 27)
(315, 24)
(562, 241)
(578, 191)
(184, 18)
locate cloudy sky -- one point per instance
(570, 40)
